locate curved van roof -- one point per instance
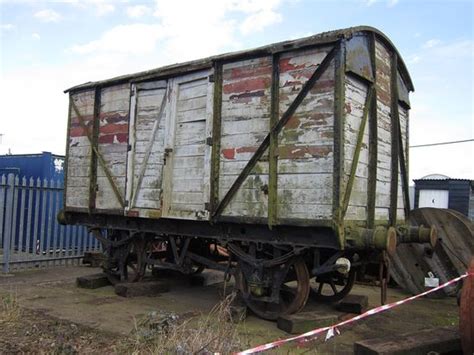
(180, 68)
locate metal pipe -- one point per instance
(379, 238)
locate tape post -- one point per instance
(334, 329)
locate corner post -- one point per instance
(94, 148)
(273, 148)
(216, 137)
(373, 144)
(394, 120)
(339, 118)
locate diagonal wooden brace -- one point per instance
(355, 159)
(156, 127)
(275, 130)
(102, 163)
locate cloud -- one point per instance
(48, 15)
(413, 59)
(36, 36)
(136, 39)
(176, 31)
(98, 7)
(103, 8)
(443, 105)
(7, 27)
(137, 11)
(258, 21)
(390, 3)
(183, 28)
(431, 43)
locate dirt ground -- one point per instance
(57, 317)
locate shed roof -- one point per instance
(321, 38)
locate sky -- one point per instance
(49, 46)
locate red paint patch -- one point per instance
(293, 122)
(246, 150)
(86, 119)
(292, 151)
(247, 85)
(285, 65)
(228, 153)
(77, 132)
(113, 138)
(113, 129)
(251, 71)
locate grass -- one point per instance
(196, 334)
(10, 310)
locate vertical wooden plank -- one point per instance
(356, 156)
(338, 172)
(173, 88)
(94, 149)
(273, 148)
(373, 137)
(66, 160)
(131, 148)
(209, 146)
(394, 119)
(216, 137)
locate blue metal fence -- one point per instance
(30, 235)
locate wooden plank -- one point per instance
(437, 340)
(275, 129)
(184, 189)
(383, 129)
(92, 281)
(395, 138)
(273, 148)
(353, 304)
(152, 140)
(305, 321)
(137, 289)
(355, 158)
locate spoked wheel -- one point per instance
(333, 287)
(293, 292)
(126, 263)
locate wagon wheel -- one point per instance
(293, 295)
(333, 287)
(127, 263)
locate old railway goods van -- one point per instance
(285, 166)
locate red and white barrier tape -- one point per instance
(332, 330)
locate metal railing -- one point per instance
(30, 235)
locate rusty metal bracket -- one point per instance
(275, 130)
(102, 163)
